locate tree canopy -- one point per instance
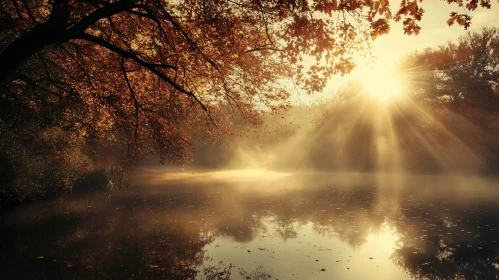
(461, 75)
(150, 73)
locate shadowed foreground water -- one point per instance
(260, 225)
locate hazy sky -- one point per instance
(434, 29)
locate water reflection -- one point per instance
(316, 226)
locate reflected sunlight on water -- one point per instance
(310, 226)
(310, 253)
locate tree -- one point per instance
(463, 75)
(147, 73)
(459, 82)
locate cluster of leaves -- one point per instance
(464, 19)
(152, 74)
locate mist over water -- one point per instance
(331, 225)
(261, 224)
(351, 189)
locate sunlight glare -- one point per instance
(380, 82)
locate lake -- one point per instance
(260, 224)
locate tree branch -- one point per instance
(136, 103)
(105, 12)
(28, 10)
(184, 34)
(151, 67)
(35, 84)
(262, 48)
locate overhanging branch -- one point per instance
(153, 68)
(105, 12)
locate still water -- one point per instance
(255, 224)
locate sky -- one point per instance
(388, 48)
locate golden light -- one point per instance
(380, 82)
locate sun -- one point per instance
(380, 82)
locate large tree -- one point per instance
(461, 75)
(146, 73)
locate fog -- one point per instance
(357, 134)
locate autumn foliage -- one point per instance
(151, 75)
